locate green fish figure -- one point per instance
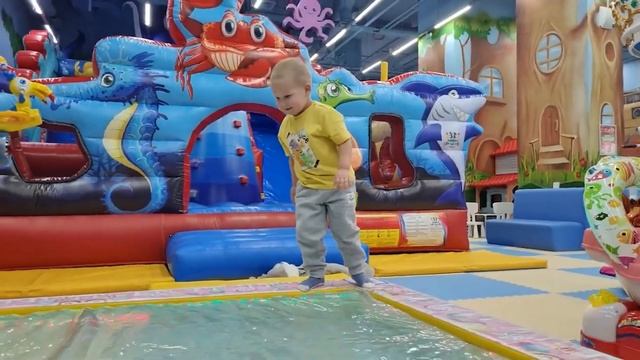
(334, 93)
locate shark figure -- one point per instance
(446, 125)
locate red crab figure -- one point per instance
(185, 8)
(246, 51)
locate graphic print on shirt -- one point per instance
(301, 151)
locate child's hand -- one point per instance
(342, 180)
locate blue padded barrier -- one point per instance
(236, 254)
(536, 234)
(565, 204)
(545, 219)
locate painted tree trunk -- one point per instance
(551, 100)
(607, 80)
(431, 55)
(498, 117)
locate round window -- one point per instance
(549, 53)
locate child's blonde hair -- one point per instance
(293, 69)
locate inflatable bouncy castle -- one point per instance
(41, 58)
(174, 138)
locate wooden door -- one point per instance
(550, 127)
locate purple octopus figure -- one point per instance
(307, 15)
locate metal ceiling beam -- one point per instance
(278, 18)
(392, 32)
(406, 57)
(398, 65)
(402, 17)
(380, 50)
(387, 28)
(368, 23)
(408, 60)
(344, 10)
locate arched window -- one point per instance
(491, 78)
(549, 53)
(606, 115)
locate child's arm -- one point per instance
(344, 155)
(337, 131)
(294, 180)
(343, 179)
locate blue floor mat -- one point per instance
(462, 286)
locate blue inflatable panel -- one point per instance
(236, 254)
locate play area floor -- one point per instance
(548, 294)
(550, 301)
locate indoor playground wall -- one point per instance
(553, 80)
(630, 73)
(480, 47)
(569, 90)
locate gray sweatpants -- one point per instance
(313, 209)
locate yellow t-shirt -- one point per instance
(312, 139)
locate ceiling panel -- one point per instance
(79, 24)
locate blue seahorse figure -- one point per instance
(128, 138)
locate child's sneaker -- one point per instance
(310, 283)
(362, 280)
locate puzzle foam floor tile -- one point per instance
(553, 315)
(550, 280)
(462, 286)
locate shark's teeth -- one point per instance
(461, 115)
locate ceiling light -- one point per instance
(36, 7)
(50, 31)
(452, 16)
(371, 67)
(147, 14)
(367, 10)
(257, 4)
(336, 38)
(314, 57)
(404, 47)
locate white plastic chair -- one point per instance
(472, 210)
(503, 210)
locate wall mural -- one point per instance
(569, 86)
(568, 94)
(483, 49)
(630, 137)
